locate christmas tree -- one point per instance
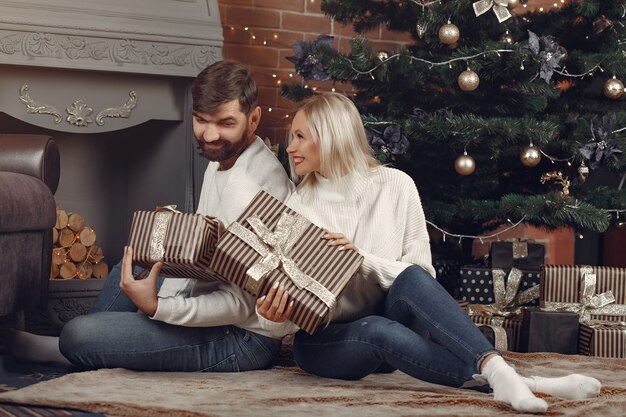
(499, 114)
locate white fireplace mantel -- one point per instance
(160, 37)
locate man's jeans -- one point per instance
(422, 332)
(115, 335)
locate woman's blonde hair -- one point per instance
(338, 131)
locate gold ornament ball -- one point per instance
(614, 89)
(530, 156)
(449, 34)
(464, 164)
(506, 37)
(468, 80)
(513, 4)
(382, 55)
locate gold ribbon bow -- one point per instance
(507, 304)
(590, 302)
(499, 8)
(273, 246)
(507, 298)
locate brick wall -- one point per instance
(273, 26)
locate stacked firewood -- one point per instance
(75, 253)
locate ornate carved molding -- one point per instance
(33, 107)
(79, 113)
(122, 55)
(122, 111)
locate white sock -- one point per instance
(570, 387)
(509, 387)
(30, 347)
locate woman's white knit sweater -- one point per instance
(383, 216)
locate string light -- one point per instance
(569, 160)
(479, 237)
(425, 61)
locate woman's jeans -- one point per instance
(115, 335)
(422, 332)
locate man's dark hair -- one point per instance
(222, 82)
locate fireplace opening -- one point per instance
(107, 176)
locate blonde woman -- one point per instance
(393, 314)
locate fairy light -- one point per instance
(425, 61)
(480, 237)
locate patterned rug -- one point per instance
(288, 391)
(15, 375)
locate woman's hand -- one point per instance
(274, 305)
(338, 239)
(141, 291)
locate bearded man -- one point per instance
(181, 324)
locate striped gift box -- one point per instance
(183, 242)
(561, 285)
(604, 340)
(514, 324)
(298, 246)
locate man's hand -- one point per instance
(273, 306)
(141, 291)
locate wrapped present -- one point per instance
(549, 331)
(504, 312)
(502, 332)
(606, 339)
(477, 284)
(448, 275)
(183, 242)
(517, 253)
(597, 292)
(270, 242)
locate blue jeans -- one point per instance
(422, 332)
(115, 335)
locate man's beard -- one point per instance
(225, 151)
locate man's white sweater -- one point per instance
(383, 216)
(225, 195)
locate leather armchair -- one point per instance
(29, 176)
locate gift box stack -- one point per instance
(498, 293)
(596, 295)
